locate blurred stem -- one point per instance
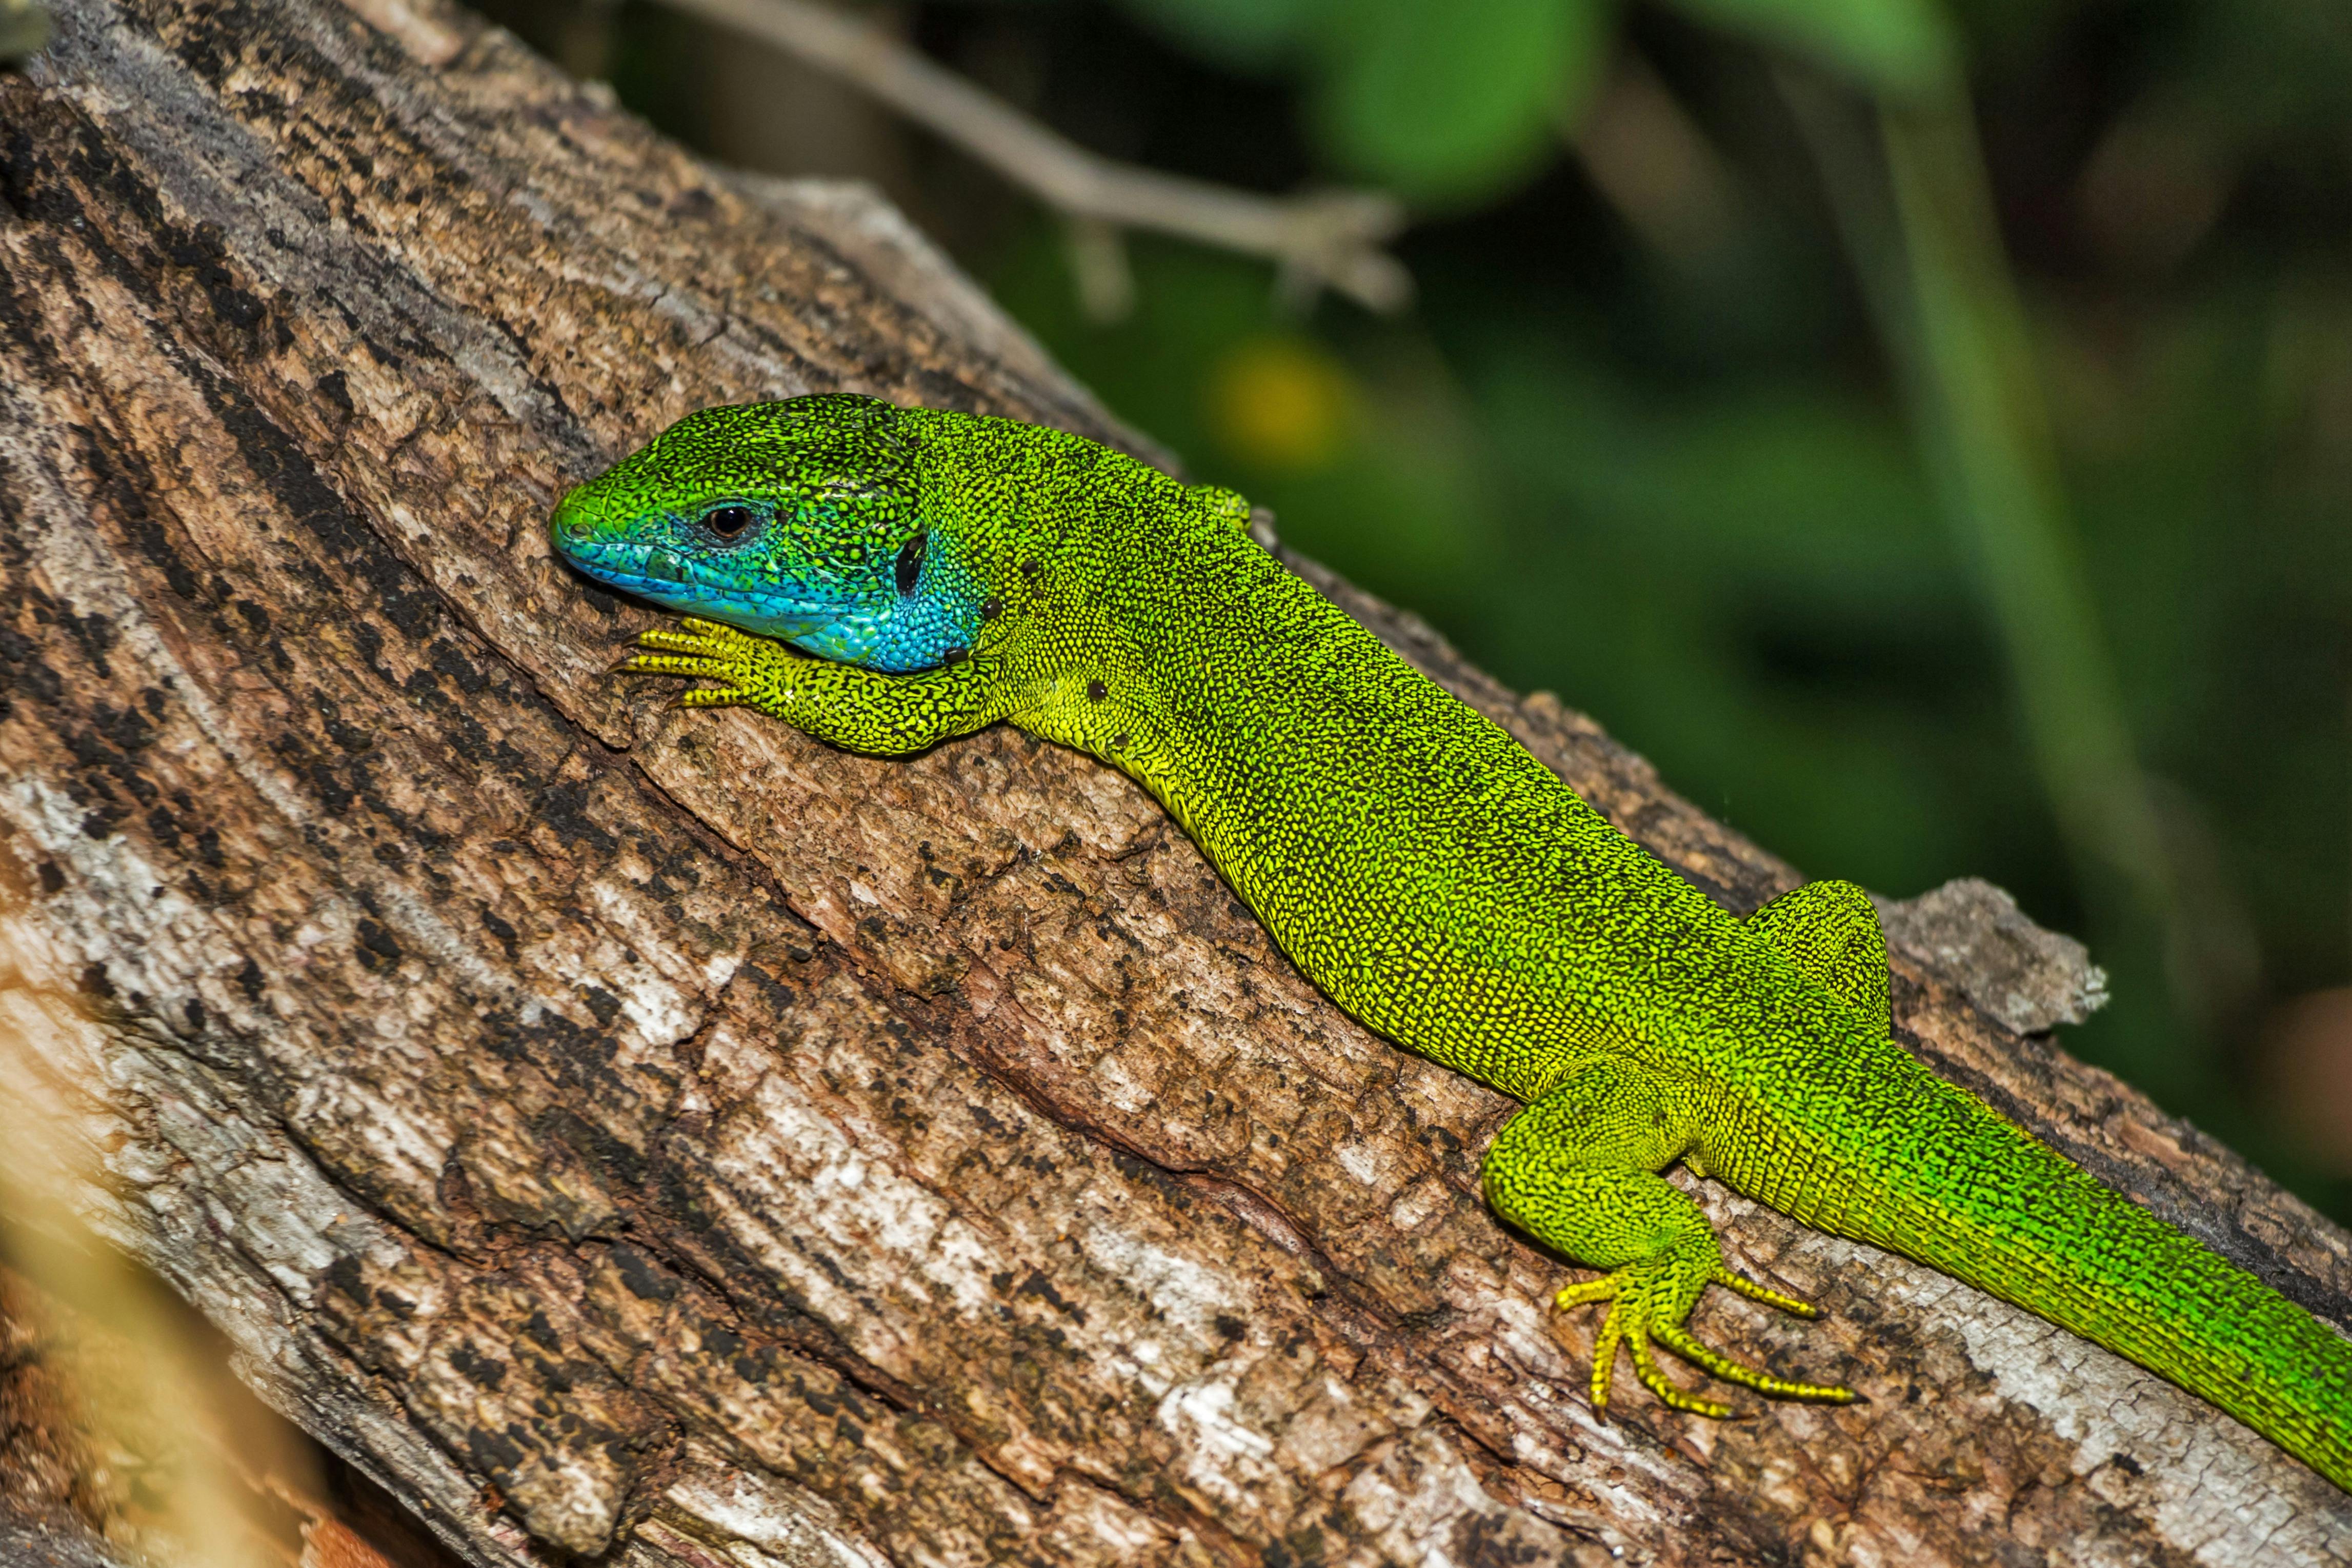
(586, 45)
(1917, 214)
(172, 1452)
(1645, 153)
(1979, 395)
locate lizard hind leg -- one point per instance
(1577, 1169)
(1830, 932)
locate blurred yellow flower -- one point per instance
(1281, 404)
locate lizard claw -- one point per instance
(1629, 1323)
(1756, 1291)
(696, 649)
(728, 693)
(1638, 1321)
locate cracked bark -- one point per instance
(659, 1136)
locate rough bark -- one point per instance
(619, 1131)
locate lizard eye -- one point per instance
(910, 564)
(729, 524)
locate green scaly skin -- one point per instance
(1422, 868)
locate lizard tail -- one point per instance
(2034, 1229)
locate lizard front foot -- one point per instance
(1640, 1298)
(869, 710)
(751, 671)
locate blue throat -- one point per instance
(860, 622)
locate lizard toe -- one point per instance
(662, 640)
(1585, 1293)
(1646, 1368)
(1725, 1369)
(1755, 1290)
(695, 664)
(1645, 1311)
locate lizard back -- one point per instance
(1449, 890)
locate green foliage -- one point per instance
(1442, 102)
(1250, 34)
(1446, 101)
(1898, 46)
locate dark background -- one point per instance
(1664, 433)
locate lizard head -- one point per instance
(800, 520)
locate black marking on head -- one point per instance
(731, 525)
(910, 564)
(1096, 691)
(1028, 569)
(955, 656)
(1119, 742)
(991, 608)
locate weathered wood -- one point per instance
(659, 1135)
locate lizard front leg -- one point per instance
(1577, 1169)
(856, 709)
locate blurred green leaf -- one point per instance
(23, 28)
(2281, 68)
(1895, 47)
(1248, 33)
(1448, 99)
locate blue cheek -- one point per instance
(914, 634)
(850, 639)
(917, 631)
(773, 617)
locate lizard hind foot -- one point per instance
(1639, 1321)
(1577, 1169)
(1632, 1321)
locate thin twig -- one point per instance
(1332, 238)
(1656, 167)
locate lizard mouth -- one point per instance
(652, 572)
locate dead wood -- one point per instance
(663, 1137)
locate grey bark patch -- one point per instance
(1974, 934)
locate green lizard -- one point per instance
(1424, 870)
